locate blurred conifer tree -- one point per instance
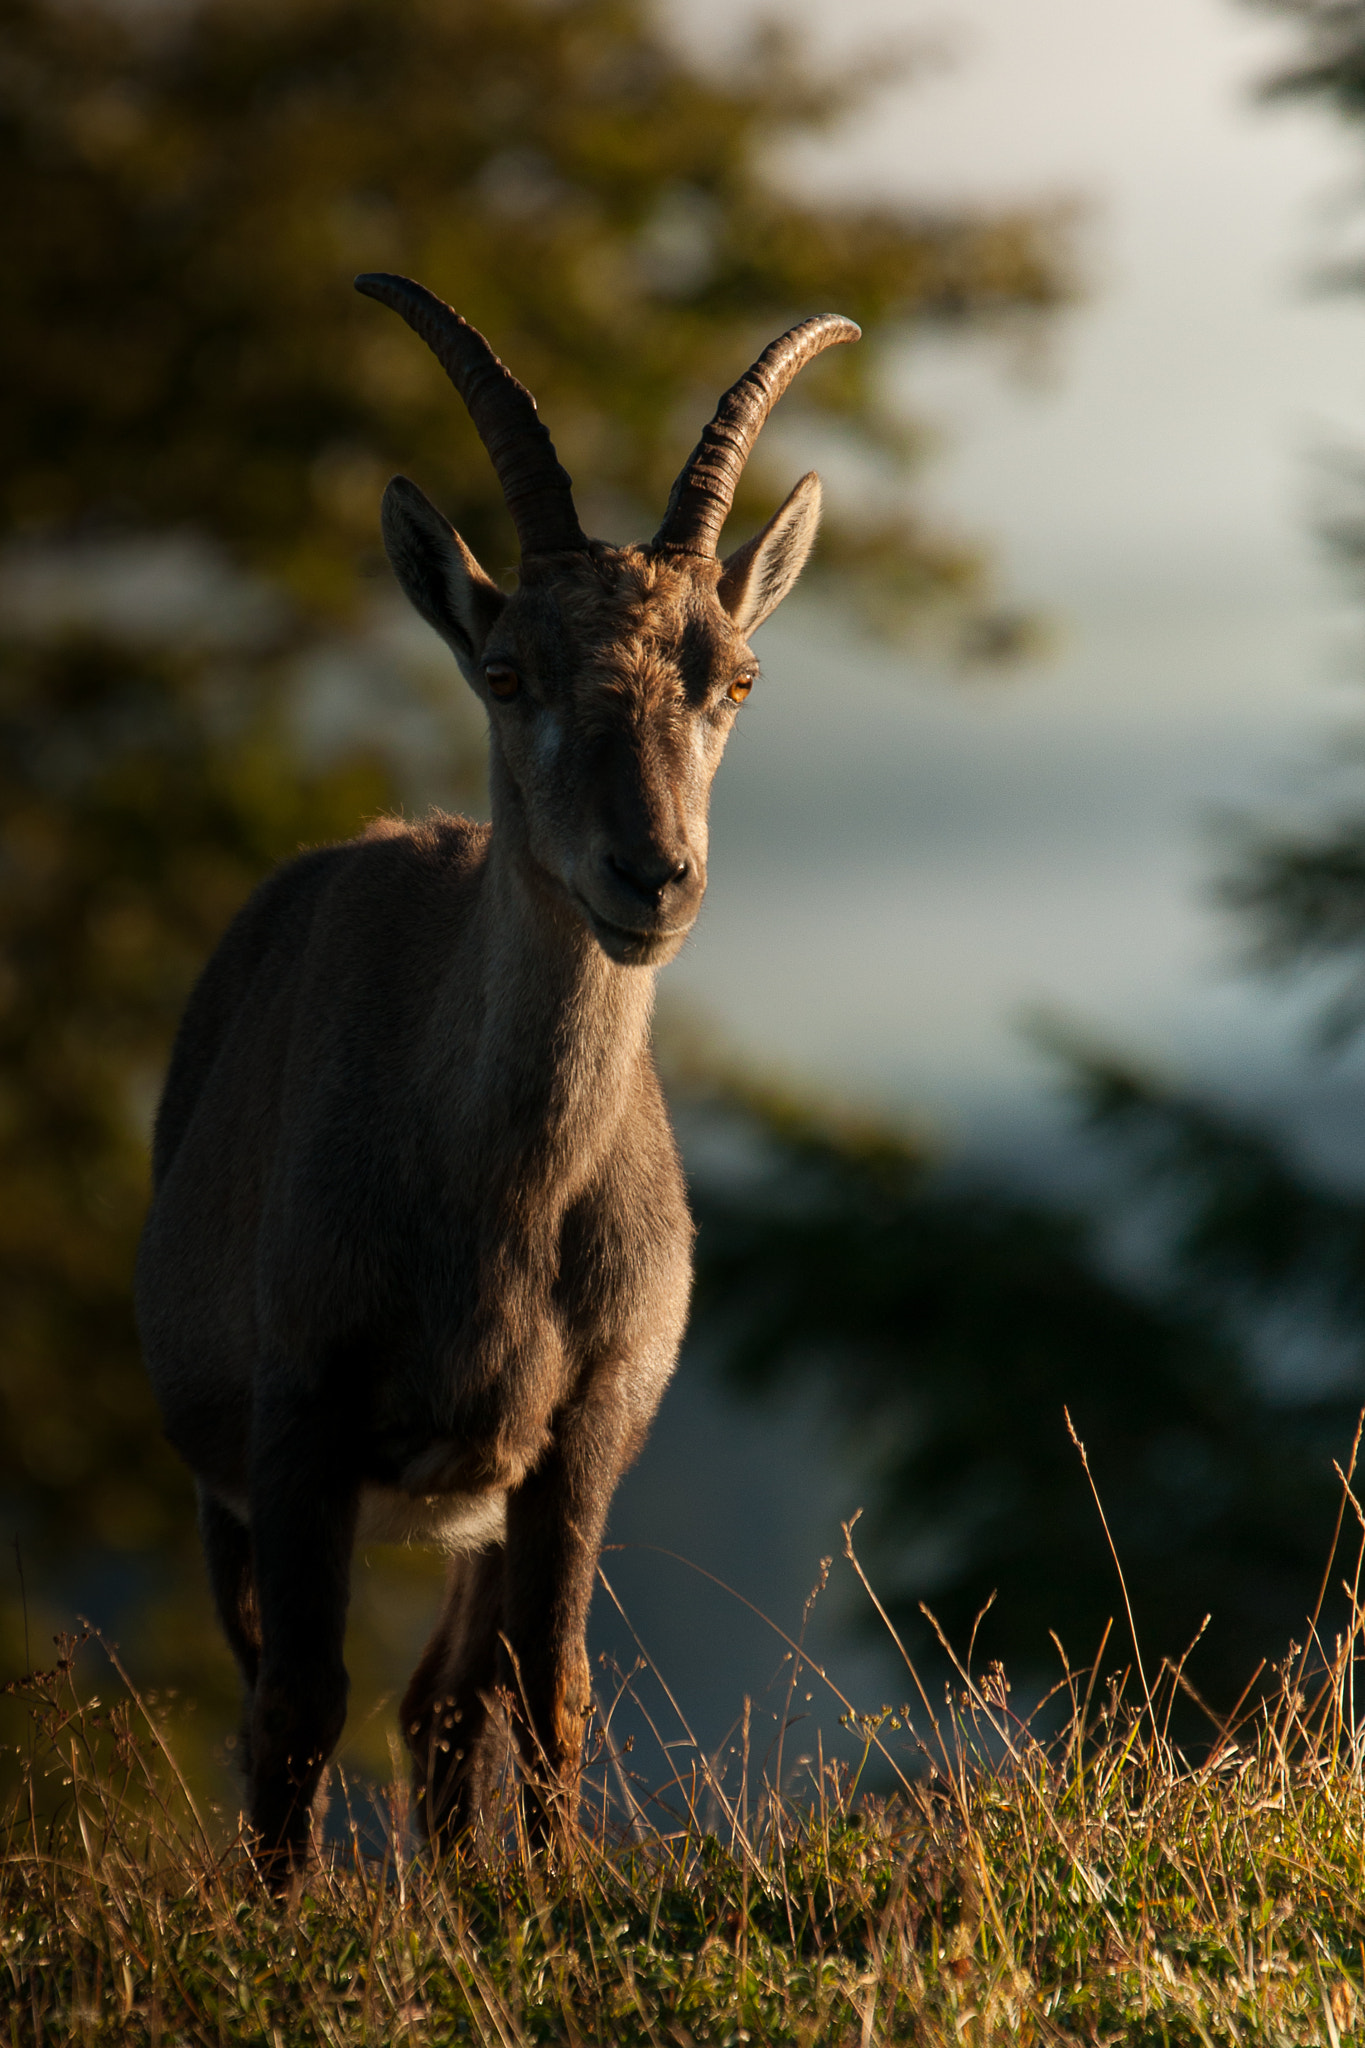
(1302, 891)
(951, 1326)
(1215, 1381)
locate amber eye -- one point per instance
(740, 687)
(503, 682)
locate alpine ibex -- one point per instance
(418, 1258)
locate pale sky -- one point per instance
(903, 864)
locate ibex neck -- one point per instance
(562, 1029)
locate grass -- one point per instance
(1090, 1884)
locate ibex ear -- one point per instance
(439, 576)
(758, 576)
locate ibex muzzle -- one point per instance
(418, 1259)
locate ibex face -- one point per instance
(611, 683)
(612, 678)
(613, 675)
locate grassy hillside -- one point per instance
(1090, 1885)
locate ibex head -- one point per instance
(612, 675)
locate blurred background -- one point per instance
(1014, 1058)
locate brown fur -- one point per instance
(418, 1257)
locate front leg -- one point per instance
(555, 1522)
(304, 1504)
(454, 1729)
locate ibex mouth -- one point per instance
(633, 945)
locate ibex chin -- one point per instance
(418, 1258)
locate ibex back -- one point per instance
(418, 1259)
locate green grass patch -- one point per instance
(1087, 1884)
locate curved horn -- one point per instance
(699, 503)
(537, 488)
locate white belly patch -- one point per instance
(457, 1523)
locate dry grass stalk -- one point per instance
(1088, 1884)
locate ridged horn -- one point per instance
(699, 503)
(538, 489)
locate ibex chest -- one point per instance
(515, 1311)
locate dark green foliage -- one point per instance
(188, 192)
(130, 828)
(1299, 889)
(1302, 891)
(1332, 66)
(950, 1327)
(1245, 1225)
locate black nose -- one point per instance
(647, 875)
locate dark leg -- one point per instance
(450, 1717)
(227, 1553)
(555, 1522)
(303, 1518)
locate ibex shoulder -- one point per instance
(273, 928)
